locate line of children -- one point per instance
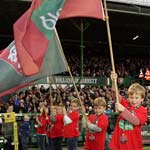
(127, 132)
(62, 124)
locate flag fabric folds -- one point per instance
(36, 51)
(12, 76)
(83, 8)
(33, 33)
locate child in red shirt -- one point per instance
(42, 121)
(71, 121)
(127, 133)
(55, 133)
(97, 126)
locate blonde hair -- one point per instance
(60, 105)
(26, 118)
(76, 101)
(137, 89)
(100, 101)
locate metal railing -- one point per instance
(134, 2)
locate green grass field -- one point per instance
(147, 148)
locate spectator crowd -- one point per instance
(100, 66)
(31, 99)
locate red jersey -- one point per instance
(57, 128)
(96, 140)
(72, 129)
(131, 132)
(44, 122)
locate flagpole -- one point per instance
(111, 50)
(82, 48)
(58, 91)
(50, 91)
(72, 79)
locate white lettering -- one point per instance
(90, 81)
(13, 54)
(77, 80)
(58, 12)
(145, 133)
(52, 19)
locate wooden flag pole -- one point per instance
(111, 50)
(58, 91)
(72, 79)
(50, 92)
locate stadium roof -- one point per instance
(133, 2)
(129, 25)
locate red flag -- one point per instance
(12, 76)
(33, 32)
(82, 8)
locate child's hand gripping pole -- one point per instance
(114, 77)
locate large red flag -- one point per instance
(12, 76)
(33, 32)
(82, 8)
